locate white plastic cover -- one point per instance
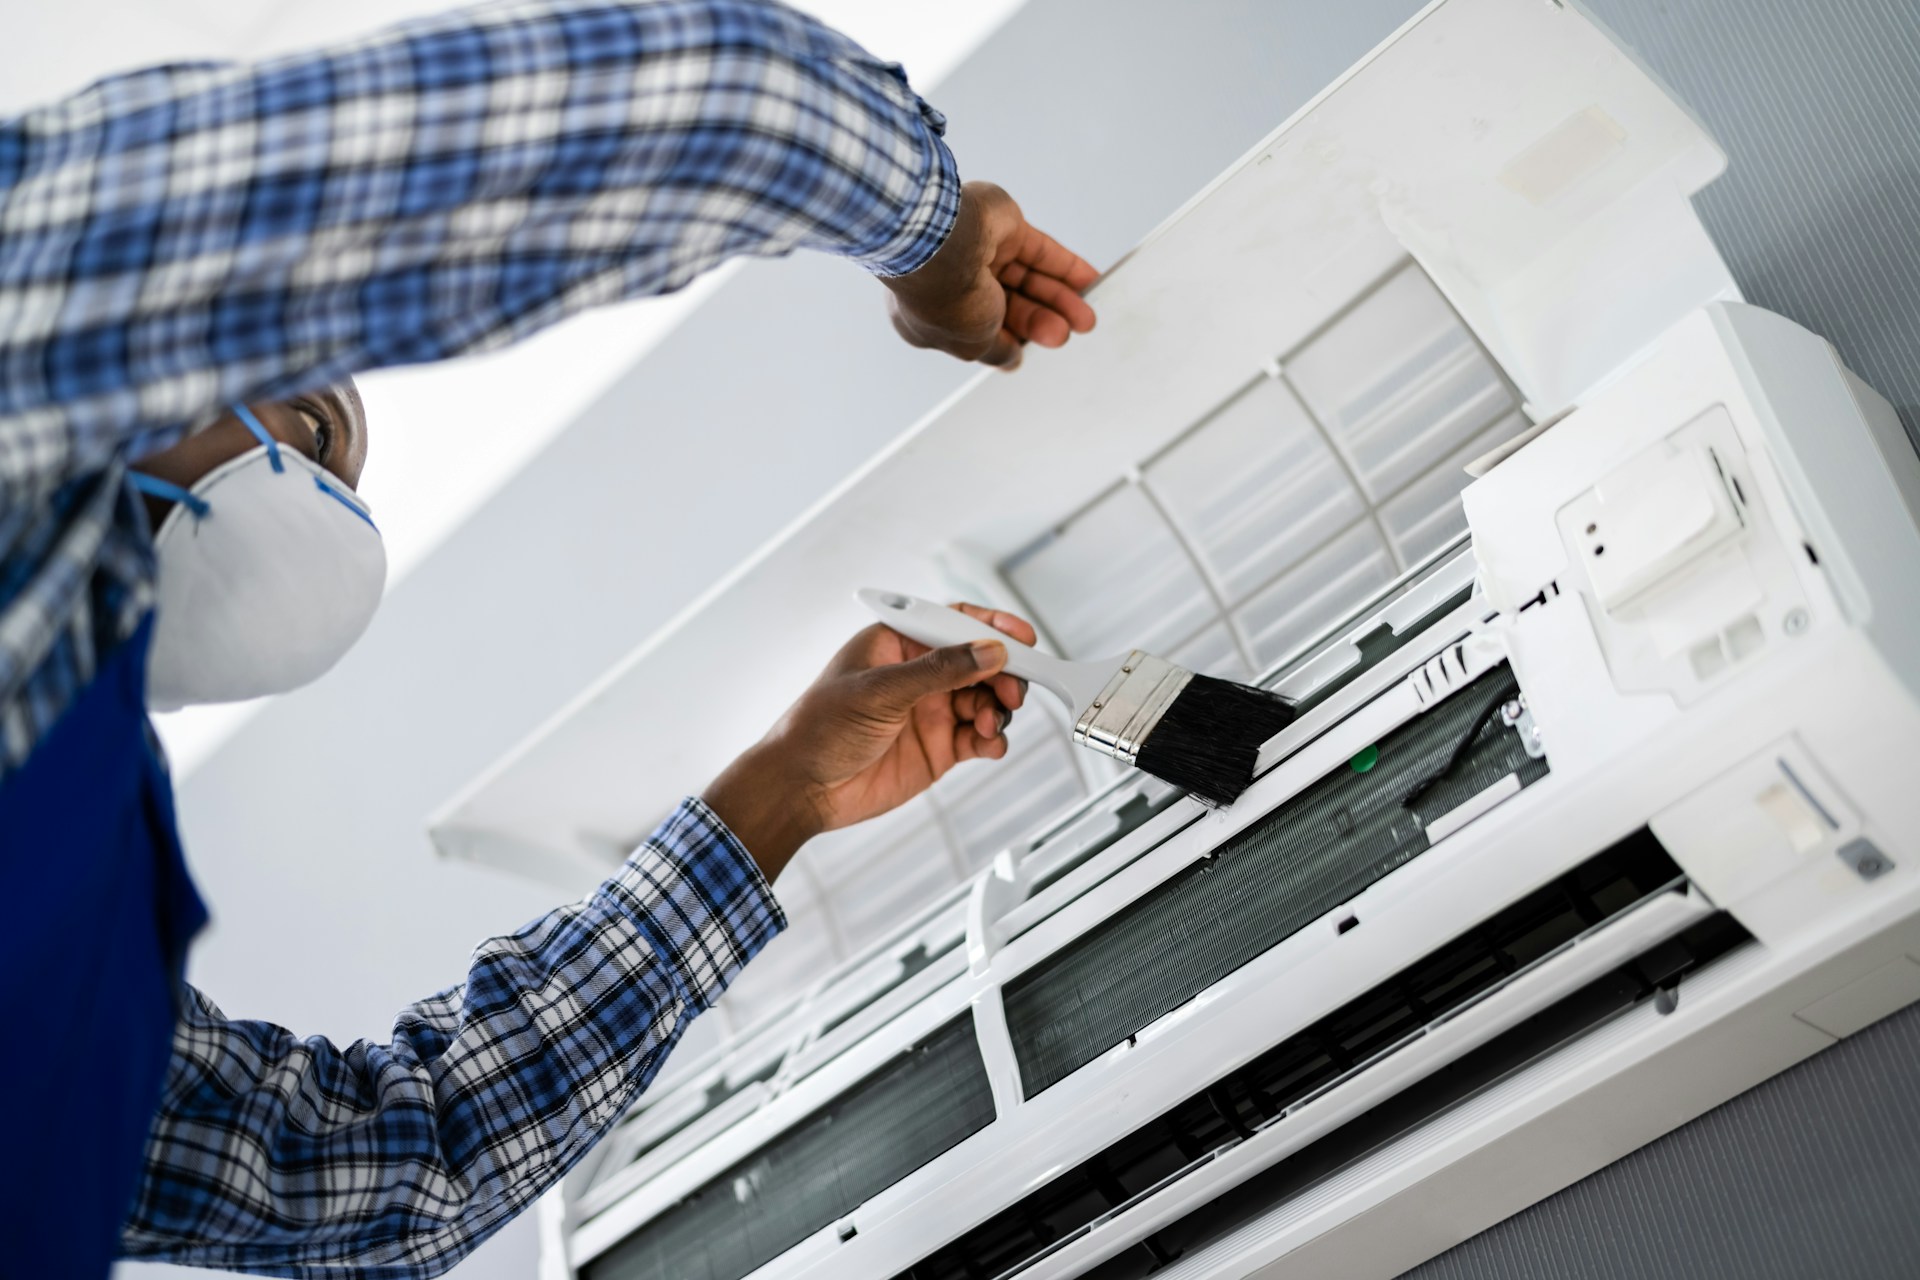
(1508, 146)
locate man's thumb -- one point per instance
(939, 671)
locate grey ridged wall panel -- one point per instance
(1816, 1173)
(1817, 104)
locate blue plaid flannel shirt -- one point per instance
(176, 239)
(291, 1156)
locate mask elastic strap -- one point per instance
(344, 501)
(171, 492)
(261, 434)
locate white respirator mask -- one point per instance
(269, 569)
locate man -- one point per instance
(193, 261)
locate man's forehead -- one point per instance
(349, 392)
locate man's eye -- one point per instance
(322, 434)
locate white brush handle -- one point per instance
(1075, 683)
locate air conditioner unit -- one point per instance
(1600, 808)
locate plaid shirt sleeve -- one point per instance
(294, 1157)
(183, 237)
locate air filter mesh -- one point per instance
(917, 1106)
(1309, 855)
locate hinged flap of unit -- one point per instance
(1537, 172)
(1534, 168)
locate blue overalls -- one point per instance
(100, 910)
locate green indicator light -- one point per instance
(1368, 757)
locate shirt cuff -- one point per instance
(700, 900)
(931, 217)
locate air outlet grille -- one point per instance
(897, 1119)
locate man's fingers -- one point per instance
(970, 701)
(989, 717)
(983, 698)
(1048, 256)
(969, 745)
(981, 706)
(896, 688)
(1034, 323)
(1051, 292)
(986, 706)
(1000, 620)
(1057, 296)
(1029, 291)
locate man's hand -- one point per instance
(885, 720)
(995, 285)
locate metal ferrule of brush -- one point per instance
(1133, 702)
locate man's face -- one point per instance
(329, 427)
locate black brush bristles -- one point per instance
(1209, 740)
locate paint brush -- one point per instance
(1199, 733)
